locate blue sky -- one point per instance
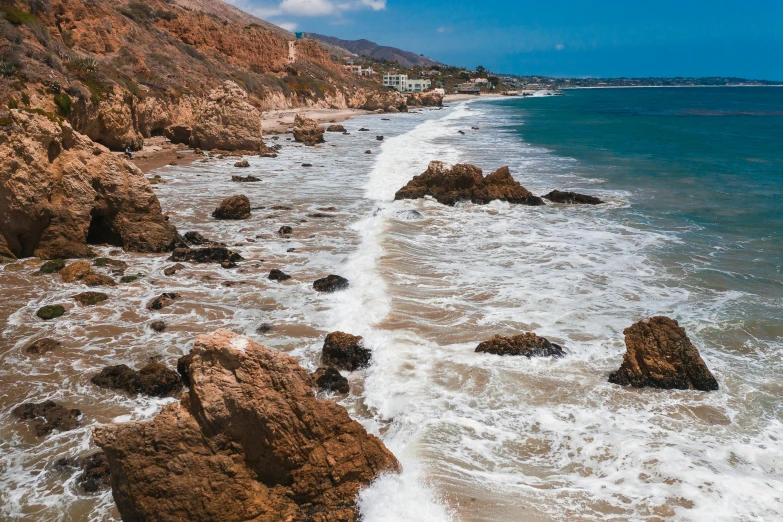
(558, 38)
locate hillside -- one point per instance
(119, 71)
(377, 52)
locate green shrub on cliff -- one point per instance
(7, 70)
(18, 17)
(63, 102)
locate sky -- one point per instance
(571, 38)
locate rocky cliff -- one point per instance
(121, 71)
(249, 442)
(59, 192)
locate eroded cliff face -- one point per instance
(249, 442)
(59, 192)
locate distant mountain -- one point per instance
(379, 52)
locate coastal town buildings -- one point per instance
(359, 70)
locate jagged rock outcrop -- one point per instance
(572, 198)
(463, 182)
(250, 441)
(528, 344)
(306, 130)
(379, 101)
(659, 354)
(234, 207)
(345, 351)
(329, 379)
(108, 120)
(154, 379)
(228, 121)
(425, 99)
(60, 192)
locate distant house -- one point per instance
(479, 80)
(467, 88)
(359, 70)
(402, 83)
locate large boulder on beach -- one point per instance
(464, 182)
(228, 121)
(306, 130)
(250, 441)
(572, 198)
(380, 101)
(659, 354)
(234, 207)
(61, 193)
(527, 344)
(425, 99)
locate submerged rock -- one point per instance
(249, 442)
(278, 275)
(571, 198)
(154, 379)
(52, 266)
(48, 416)
(330, 283)
(307, 131)
(158, 326)
(63, 192)
(345, 351)
(98, 280)
(173, 269)
(528, 344)
(329, 379)
(205, 255)
(234, 207)
(245, 179)
(75, 271)
(42, 346)
(162, 301)
(90, 298)
(49, 312)
(659, 354)
(462, 182)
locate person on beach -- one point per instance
(128, 152)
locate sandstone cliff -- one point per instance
(249, 442)
(60, 192)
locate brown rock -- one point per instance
(307, 130)
(90, 298)
(345, 351)
(62, 192)
(42, 346)
(245, 179)
(278, 275)
(170, 271)
(462, 182)
(329, 379)
(205, 255)
(75, 271)
(388, 101)
(154, 379)
(330, 283)
(242, 164)
(162, 301)
(659, 354)
(285, 231)
(48, 416)
(335, 128)
(234, 207)
(527, 344)
(98, 280)
(571, 198)
(425, 99)
(249, 442)
(95, 473)
(158, 326)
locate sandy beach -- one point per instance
(280, 121)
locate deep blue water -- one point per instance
(703, 163)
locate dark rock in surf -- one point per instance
(659, 354)
(463, 182)
(50, 312)
(90, 298)
(52, 266)
(571, 198)
(98, 280)
(42, 346)
(528, 345)
(242, 164)
(95, 473)
(183, 367)
(345, 351)
(245, 179)
(234, 208)
(264, 328)
(47, 416)
(194, 238)
(205, 255)
(379, 138)
(368, 152)
(153, 379)
(364, 130)
(173, 269)
(330, 283)
(158, 326)
(285, 231)
(162, 301)
(278, 275)
(329, 379)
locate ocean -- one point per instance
(692, 229)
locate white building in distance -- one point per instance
(402, 83)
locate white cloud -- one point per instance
(307, 7)
(559, 47)
(444, 29)
(375, 5)
(288, 26)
